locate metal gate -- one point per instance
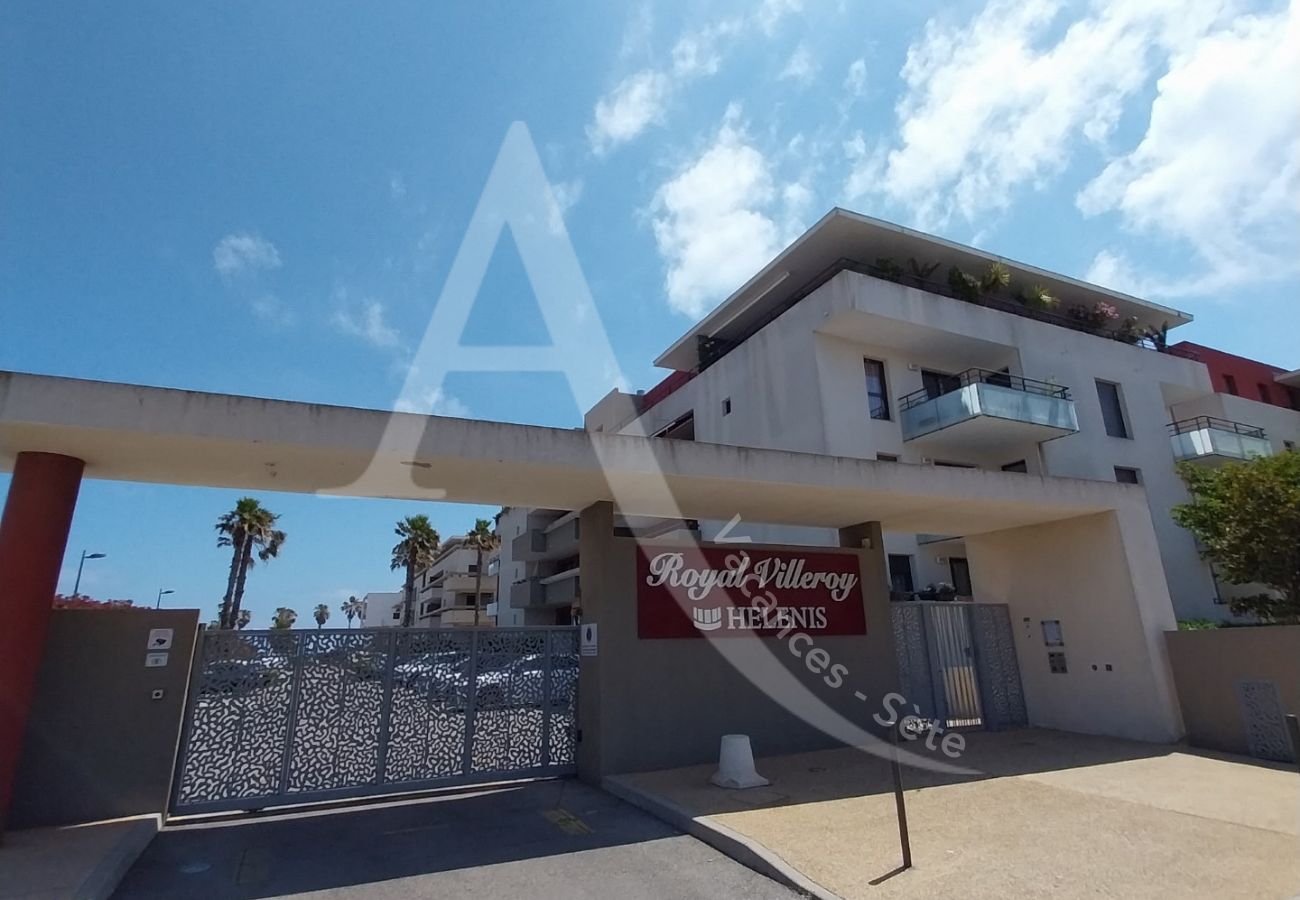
(281, 717)
(957, 662)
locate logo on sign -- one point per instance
(707, 619)
(684, 592)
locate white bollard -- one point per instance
(736, 764)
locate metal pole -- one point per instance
(77, 586)
(1293, 727)
(903, 839)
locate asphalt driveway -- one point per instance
(557, 839)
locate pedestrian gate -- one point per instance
(957, 663)
(282, 717)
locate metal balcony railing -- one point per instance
(952, 383)
(1201, 423)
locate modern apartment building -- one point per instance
(865, 339)
(445, 592)
(381, 609)
(538, 569)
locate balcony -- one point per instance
(984, 411)
(559, 538)
(467, 582)
(1205, 439)
(560, 589)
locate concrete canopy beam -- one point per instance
(147, 434)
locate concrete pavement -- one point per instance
(1056, 814)
(557, 839)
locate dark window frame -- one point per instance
(910, 579)
(878, 407)
(1137, 474)
(1114, 421)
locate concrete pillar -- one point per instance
(33, 536)
(600, 593)
(868, 537)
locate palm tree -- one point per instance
(284, 618)
(415, 552)
(249, 525)
(351, 608)
(484, 540)
(321, 614)
(244, 618)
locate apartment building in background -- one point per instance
(381, 609)
(865, 339)
(445, 592)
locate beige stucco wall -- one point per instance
(1101, 577)
(98, 745)
(1207, 666)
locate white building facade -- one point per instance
(855, 342)
(445, 593)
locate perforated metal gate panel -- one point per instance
(957, 663)
(282, 717)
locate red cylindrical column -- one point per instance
(33, 536)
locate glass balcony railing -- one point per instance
(1034, 409)
(1208, 438)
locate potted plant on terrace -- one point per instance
(1038, 297)
(889, 270)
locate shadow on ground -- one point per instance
(517, 840)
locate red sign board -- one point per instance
(686, 591)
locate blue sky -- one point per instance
(265, 198)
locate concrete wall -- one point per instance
(651, 704)
(1099, 577)
(1207, 666)
(98, 745)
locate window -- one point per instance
(1264, 393)
(1125, 475)
(946, 464)
(1112, 409)
(960, 570)
(397, 613)
(937, 384)
(900, 573)
(877, 392)
(886, 457)
(1018, 466)
(1230, 384)
(726, 406)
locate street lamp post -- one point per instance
(76, 588)
(158, 605)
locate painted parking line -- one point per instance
(566, 821)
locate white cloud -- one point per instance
(236, 254)
(641, 99)
(1219, 165)
(716, 221)
(996, 103)
(855, 82)
(270, 308)
(771, 12)
(801, 66)
(367, 322)
(637, 102)
(434, 402)
(566, 195)
(397, 187)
